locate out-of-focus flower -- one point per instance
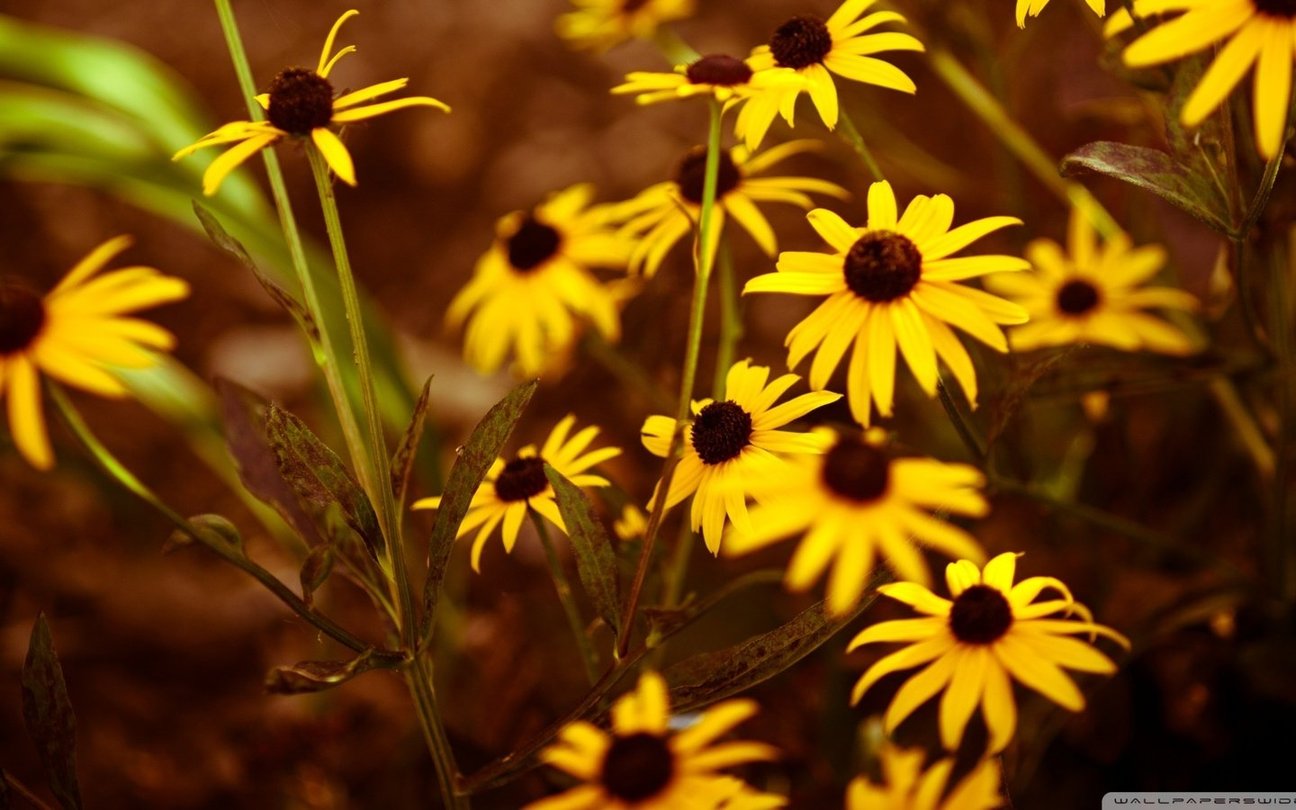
(597, 25)
(906, 786)
(301, 104)
(632, 524)
(77, 334)
(1032, 8)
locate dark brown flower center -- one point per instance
(883, 266)
(801, 42)
(532, 245)
(856, 471)
(1077, 297)
(720, 431)
(631, 6)
(691, 175)
(637, 767)
(1285, 9)
(22, 316)
(718, 68)
(521, 478)
(980, 615)
(300, 100)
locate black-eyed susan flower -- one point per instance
(512, 488)
(639, 764)
(857, 502)
(733, 443)
(663, 214)
(1094, 294)
(842, 44)
(77, 334)
(894, 284)
(991, 633)
(302, 104)
(532, 288)
(1032, 8)
(597, 25)
(1258, 32)
(906, 785)
(632, 524)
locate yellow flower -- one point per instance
(632, 524)
(1032, 8)
(816, 49)
(855, 501)
(77, 334)
(511, 489)
(1259, 32)
(906, 786)
(992, 632)
(728, 80)
(1094, 295)
(663, 214)
(597, 25)
(893, 284)
(530, 288)
(641, 765)
(732, 444)
(301, 104)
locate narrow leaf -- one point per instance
(595, 563)
(316, 676)
(403, 460)
(472, 462)
(215, 528)
(316, 569)
(48, 714)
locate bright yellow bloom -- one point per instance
(892, 284)
(854, 502)
(663, 214)
(77, 334)
(534, 284)
(511, 489)
(732, 444)
(992, 632)
(632, 524)
(1259, 32)
(817, 48)
(1094, 295)
(641, 765)
(1032, 8)
(906, 786)
(597, 25)
(301, 104)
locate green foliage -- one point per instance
(402, 463)
(47, 711)
(317, 676)
(595, 563)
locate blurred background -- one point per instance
(165, 655)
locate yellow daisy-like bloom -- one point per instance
(1032, 8)
(992, 632)
(632, 524)
(906, 786)
(1094, 295)
(893, 284)
(728, 80)
(598, 25)
(1258, 32)
(77, 334)
(665, 213)
(532, 285)
(301, 104)
(732, 444)
(854, 502)
(511, 488)
(641, 765)
(816, 49)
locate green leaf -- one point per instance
(316, 569)
(48, 714)
(595, 563)
(709, 677)
(471, 464)
(319, 477)
(403, 460)
(1155, 171)
(215, 528)
(317, 676)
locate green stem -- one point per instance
(846, 129)
(418, 677)
(568, 599)
(962, 425)
(1245, 295)
(703, 259)
(120, 473)
(23, 791)
(731, 328)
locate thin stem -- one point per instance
(962, 425)
(1248, 432)
(120, 473)
(731, 328)
(846, 129)
(1282, 543)
(418, 677)
(703, 259)
(568, 598)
